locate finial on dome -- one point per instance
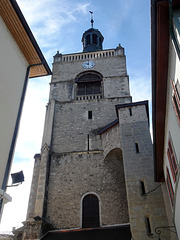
(92, 21)
(92, 39)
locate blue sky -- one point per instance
(59, 25)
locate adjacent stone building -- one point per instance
(94, 175)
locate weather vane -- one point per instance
(92, 21)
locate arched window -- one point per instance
(90, 211)
(88, 83)
(94, 38)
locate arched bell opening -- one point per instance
(89, 83)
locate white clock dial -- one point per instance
(88, 64)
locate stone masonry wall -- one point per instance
(111, 139)
(108, 66)
(74, 175)
(78, 164)
(74, 150)
(66, 91)
(72, 126)
(113, 69)
(138, 165)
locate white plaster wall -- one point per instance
(177, 211)
(13, 67)
(172, 127)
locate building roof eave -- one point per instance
(159, 53)
(132, 105)
(19, 29)
(109, 126)
(107, 232)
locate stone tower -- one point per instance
(96, 161)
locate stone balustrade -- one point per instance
(89, 97)
(87, 56)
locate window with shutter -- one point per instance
(172, 159)
(169, 187)
(176, 98)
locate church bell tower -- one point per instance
(96, 155)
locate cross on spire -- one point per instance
(92, 21)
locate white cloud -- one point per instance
(140, 82)
(140, 88)
(116, 22)
(82, 8)
(48, 17)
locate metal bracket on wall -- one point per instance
(158, 231)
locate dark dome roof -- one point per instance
(92, 40)
(92, 30)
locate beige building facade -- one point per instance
(17, 63)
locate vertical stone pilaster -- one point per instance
(34, 223)
(38, 209)
(34, 186)
(42, 172)
(48, 126)
(31, 230)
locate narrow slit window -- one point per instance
(142, 187)
(130, 111)
(148, 226)
(88, 142)
(137, 147)
(89, 114)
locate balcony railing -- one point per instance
(89, 97)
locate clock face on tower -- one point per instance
(88, 64)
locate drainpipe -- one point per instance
(9, 162)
